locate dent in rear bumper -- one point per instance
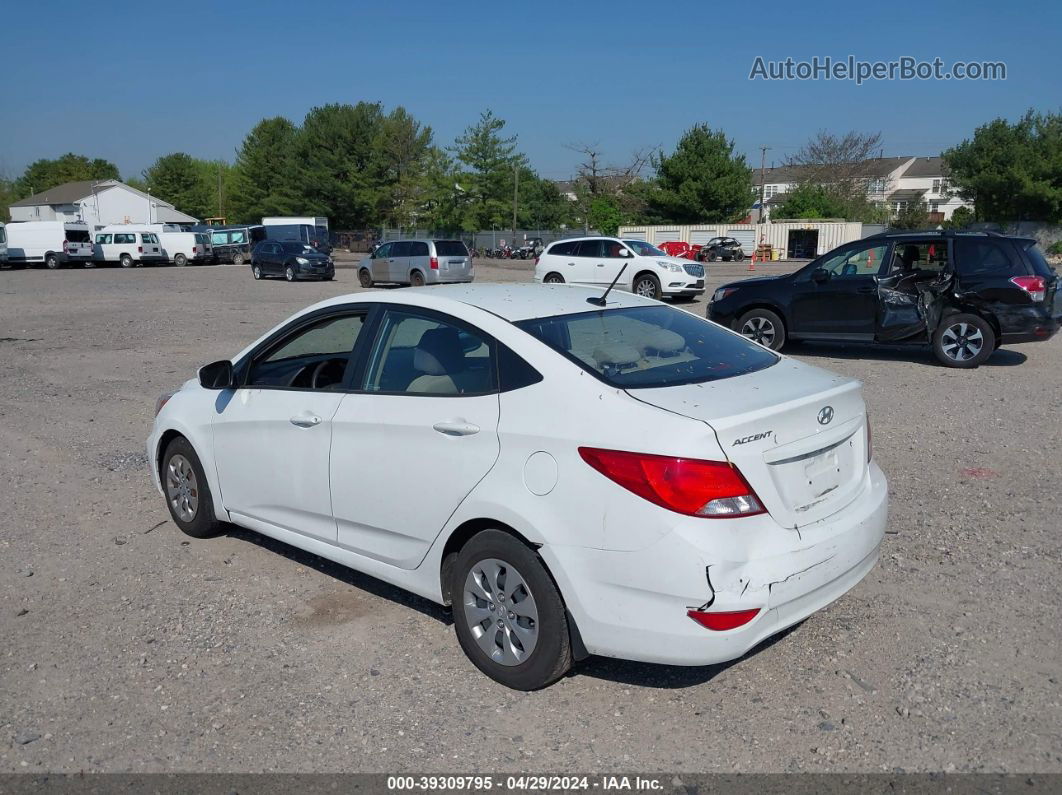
(632, 605)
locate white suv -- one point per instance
(596, 261)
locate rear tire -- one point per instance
(187, 493)
(647, 286)
(964, 341)
(237, 259)
(508, 614)
(180, 260)
(553, 278)
(365, 278)
(764, 327)
(416, 278)
(126, 261)
(51, 262)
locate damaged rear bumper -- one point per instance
(632, 604)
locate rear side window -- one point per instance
(450, 248)
(1040, 265)
(219, 238)
(122, 237)
(981, 257)
(418, 249)
(562, 249)
(653, 346)
(592, 248)
(103, 239)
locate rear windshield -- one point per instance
(651, 346)
(78, 236)
(450, 248)
(149, 237)
(201, 238)
(1039, 262)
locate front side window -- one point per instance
(643, 249)
(653, 346)
(315, 357)
(860, 261)
(421, 355)
(384, 251)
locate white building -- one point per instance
(894, 182)
(98, 203)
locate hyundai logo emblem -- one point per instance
(825, 415)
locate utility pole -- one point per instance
(516, 196)
(763, 188)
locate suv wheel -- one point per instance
(647, 286)
(237, 258)
(963, 341)
(763, 326)
(508, 615)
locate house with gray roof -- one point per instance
(98, 203)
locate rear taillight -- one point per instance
(195, 250)
(536, 261)
(1035, 286)
(140, 249)
(723, 620)
(162, 401)
(433, 263)
(708, 489)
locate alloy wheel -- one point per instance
(962, 342)
(501, 611)
(759, 329)
(645, 288)
(182, 488)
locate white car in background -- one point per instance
(597, 261)
(575, 476)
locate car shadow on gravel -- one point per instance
(1002, 357)
(355, 579)
(666, 677)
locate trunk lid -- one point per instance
(797, 433)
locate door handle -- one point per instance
(867, 290)
(306, 420)
(456, 428)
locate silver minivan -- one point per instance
(417, 262)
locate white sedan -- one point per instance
(627, 480)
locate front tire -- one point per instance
(256, 271)
(964, 341)
(764, 327)
(647, 286)
(289, 273)
(187, 493)
(508, 614)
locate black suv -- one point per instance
(964, 293)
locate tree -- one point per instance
(403, 149)
(960, 219)
(264, 181)
(597, 179)
(810, 201)
(1012, 172)
(842, 164)
(179, 179)
(44, 174)
(490, 163)
(604, 216)
(703, 181)
(914, 216)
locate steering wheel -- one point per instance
(319, 374)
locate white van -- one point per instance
(53, 243)
(3, 246)
(128, 245)
(181, 247)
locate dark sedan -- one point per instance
(292, 260)
(964, 294)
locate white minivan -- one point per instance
(128, 246)
(597, 261)
(181, 247)
(51, 243)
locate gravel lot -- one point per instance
(128, 647)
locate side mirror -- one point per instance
(625, 252)
(820, 275)
(217, 375)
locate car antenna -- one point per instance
(601, 301)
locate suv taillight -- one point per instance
(707, 489)
(434, 263)
(536, 261)
(1035, 286)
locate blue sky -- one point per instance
(131, 81)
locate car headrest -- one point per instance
(439, 352)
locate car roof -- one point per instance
(512, 302)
